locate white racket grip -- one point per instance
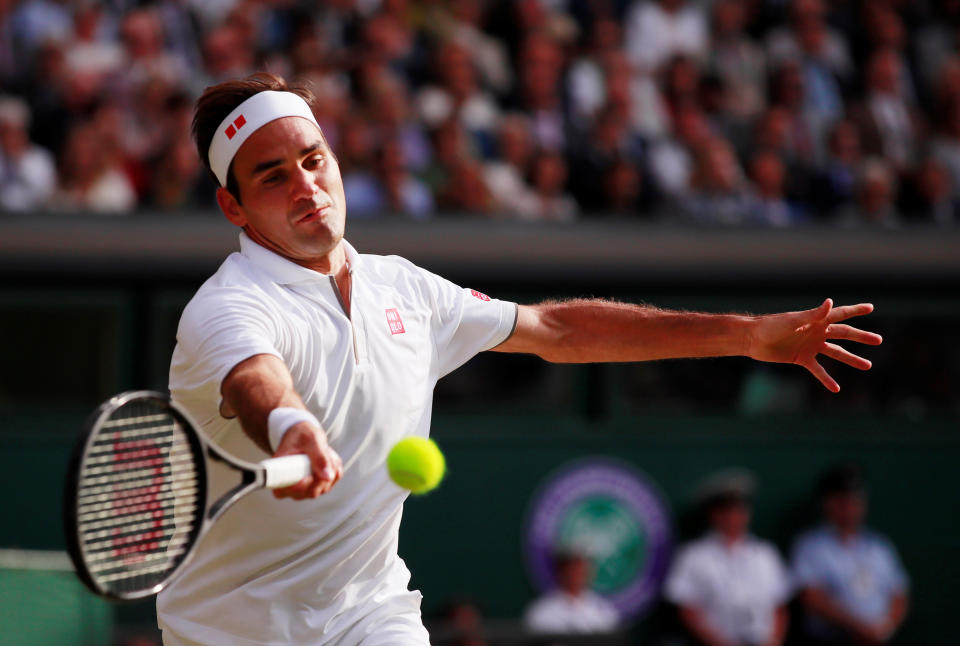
(285, 471)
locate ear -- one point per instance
(230, 207)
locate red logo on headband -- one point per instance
(231, 130)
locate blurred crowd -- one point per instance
(764, 112)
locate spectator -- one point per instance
(889, 124)
(458, 94)
(876, 197)
(836, 183)
(718, 192)
(852, 585)
(767, 172)
(730, 587)
(823, 52)
(402, 191)
(671, 159)
(27, 173)
(657, 30)
(737, 60)
(929, 197)
(505, 174)
(540, 67)
(548, 177)
(92, 177)
(572, 607)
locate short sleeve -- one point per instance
(466, 321)
(218, 330)
(684, 585)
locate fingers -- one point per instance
(326, 465)
(840, 354)
(848, 311)
(848, 333)
(817, 371)
(327, 471)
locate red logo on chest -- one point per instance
(393, 320)
(480, 295)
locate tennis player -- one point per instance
(299, 344)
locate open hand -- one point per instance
(798, 337)
(326, 465)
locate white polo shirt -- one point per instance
(321, 571)
(737, 588)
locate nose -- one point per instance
(303, 184)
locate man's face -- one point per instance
(291, 191)
(845, 510)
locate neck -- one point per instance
(332, 263)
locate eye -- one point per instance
(273, 179)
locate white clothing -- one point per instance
(28, 181)
(323, 571)
(737, 588)
(652, 35)
(559, 612)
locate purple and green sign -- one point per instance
(610, 512)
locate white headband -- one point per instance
(247, 118)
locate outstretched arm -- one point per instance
(581, 331)
(252, 389)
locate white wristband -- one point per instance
(281, 419)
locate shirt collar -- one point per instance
(287, 272)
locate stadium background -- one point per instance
(655, 211)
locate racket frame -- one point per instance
(253, 476)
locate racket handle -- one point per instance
(285, 471)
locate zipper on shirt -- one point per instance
(349, 315)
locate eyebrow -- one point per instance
(264, 166)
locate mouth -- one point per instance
(316, 214)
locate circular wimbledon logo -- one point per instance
(611, 513)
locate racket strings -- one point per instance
(138, 498)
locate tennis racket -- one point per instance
(136, 501)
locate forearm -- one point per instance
(781, 620)
(695, 624)
(818, 602)
(896, 613)
(254, 388)
(596, 330)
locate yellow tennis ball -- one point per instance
(416, 463)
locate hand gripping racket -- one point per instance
(136, 501)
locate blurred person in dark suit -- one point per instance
(770, 205)
(730, 587)
(853, 587)
(928, 195)
(876, 197)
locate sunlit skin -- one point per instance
(291, 194)
(731, 520)
(291, 202)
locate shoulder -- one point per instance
(877, 541)
(235, 287)
(764, 547)
(695, 551)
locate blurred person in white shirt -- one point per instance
(27, 172)
(572, 607)
(731, 588)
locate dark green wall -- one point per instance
(464, 540)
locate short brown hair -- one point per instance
(218, 101)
